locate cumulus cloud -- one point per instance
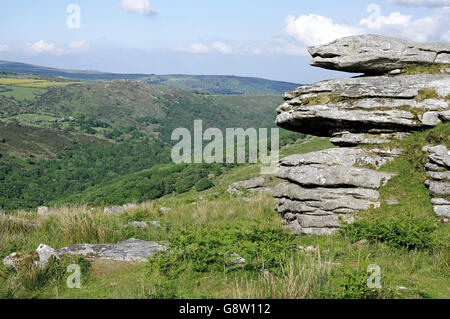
(422, 3)
(314, 29)
(397, 24)
(274, 46)
(142, 7)
(42, 47)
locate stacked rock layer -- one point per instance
(438, 179)
(326, 187)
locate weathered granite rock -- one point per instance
(376, 54)
(354, 139)
(324, 188)
(43, 211)
(140, 224)
(129, 250)
(233, 259)
(374, 105)
(334, 176)
(438, 179)
(327, 187)
(38, 258)
(250, 184)
(119, 209)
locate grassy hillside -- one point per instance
(117, 108)
(221, 84)
(106, 141)
(214, 84)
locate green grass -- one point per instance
(20, 93)
(203, 233)
(32, 117)
(425, 69)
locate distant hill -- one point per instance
(214, 84)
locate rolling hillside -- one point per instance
(214, 84)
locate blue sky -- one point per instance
(259, 38)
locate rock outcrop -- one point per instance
(252, 185)
(129, 250)
(367, 110)
(375, 54)
(119, 209)
(324, 188)
(438, 179)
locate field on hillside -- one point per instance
(203, 228)
(213, 84)
(26, 89)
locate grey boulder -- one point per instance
(376, 54)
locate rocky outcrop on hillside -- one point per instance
(375, 54)
(438, 179)
(324, 188)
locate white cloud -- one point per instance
(274, 46)
(221, 47)
(397, 24)
(195, 48)
(142, 7)
(42, 47)
(314, 29)
(422, 3)
(4, 48)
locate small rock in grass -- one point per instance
(308, 249)
(234, 259)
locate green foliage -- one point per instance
(352, 284)
(28, 280)
(425, 69)
(407, 231)
(79, 169)
(147, 184)
(203, 184)
(206, 249)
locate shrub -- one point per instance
(203, 184)
(400, 231)
(205, 249)
(352, 284)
